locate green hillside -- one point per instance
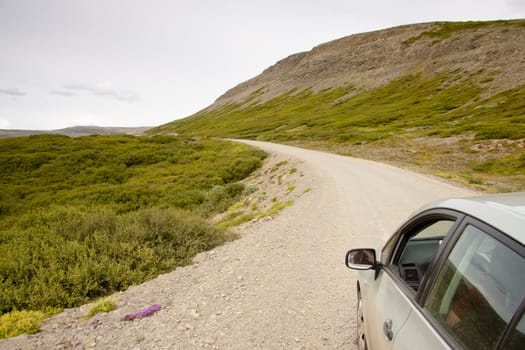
(405, 114)
(415, 105)
(81, 218)
(453, 123)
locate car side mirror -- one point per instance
(361, 259)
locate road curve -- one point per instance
(283, 285)
(356, 203)
(366, 200)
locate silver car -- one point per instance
(452, 277)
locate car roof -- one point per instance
(505, 212)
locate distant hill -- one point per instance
(76, 131)
(446, 97)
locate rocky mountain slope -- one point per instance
(370, 60)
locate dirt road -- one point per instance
(283, 285)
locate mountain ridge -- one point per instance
(369, 60)
(76, 131)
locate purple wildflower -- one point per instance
(146, 312)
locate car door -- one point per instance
(474, 299)
(385, 317)
(389, 299)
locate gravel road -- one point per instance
(282, 285)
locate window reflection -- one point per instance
(478, 290)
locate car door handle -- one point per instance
(387, 329)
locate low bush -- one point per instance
(18, 322)
(105, 305)
(510, 165)
(81, 218)
(69, 256)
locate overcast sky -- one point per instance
(147, 62)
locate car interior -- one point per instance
(419, 251)
(415, 259)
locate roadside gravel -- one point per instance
(282, 285)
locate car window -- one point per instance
(477, 291)
(419, 250)
(386, 253)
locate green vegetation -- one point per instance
(82, 218)
(235, 218)
(510, 165)
(276, 208)
(18, 322)
(414, 105)
(123, 173)
(105, 305)
(395, 116)
(445, 30)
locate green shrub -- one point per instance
(510, 165)
(81, 218)
(105, 305)
(219, 198)
(239, 169)
(70, 256)
(19, 322)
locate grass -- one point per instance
(398, 114)
(81, 218)
(276, 208)
(18, 322)
(105, 305)
(235, 218)
(510, 165)
(445, 30)
(415, 105)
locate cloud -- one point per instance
(99, 90)
(12, 92)
(62, 93)
(517, 5)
